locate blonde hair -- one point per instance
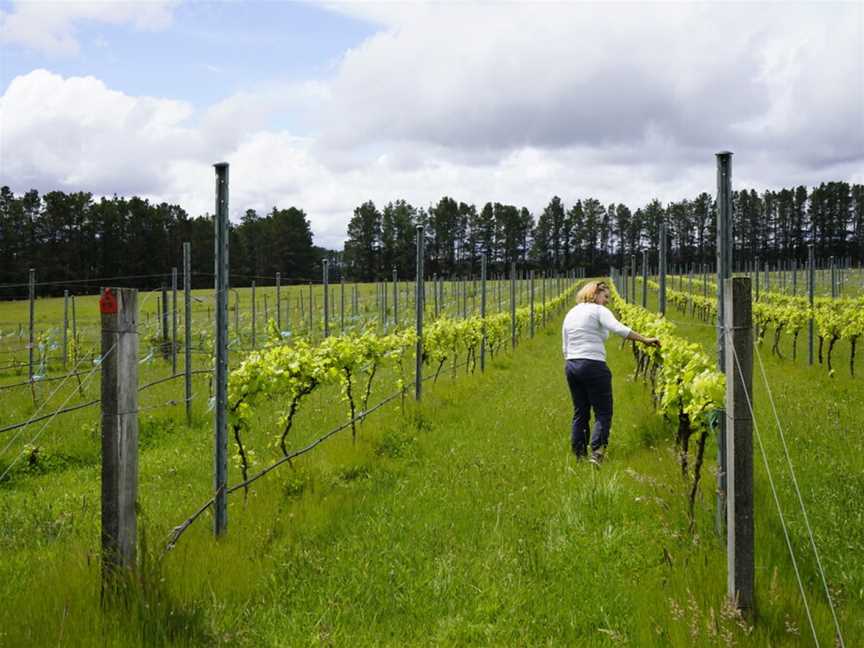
(588, 292)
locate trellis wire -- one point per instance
(776, 500)
(800, 499)
(44, 427)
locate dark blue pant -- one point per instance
(590, 383)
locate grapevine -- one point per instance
(835, 319)
(684, 385)
(283, 374)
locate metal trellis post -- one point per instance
(220, 478)
(724, 257)
(326, 280)
(513, 304)
(418, 299)
(483, 311)
(174, 321)
(187, 325)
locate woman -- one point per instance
(585, 330)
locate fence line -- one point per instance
(42, 418)
(174, 377)
(358, 417)
(65, 410)
(178, 530)
(99, 280)
(15, 426)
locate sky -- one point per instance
(323, 106)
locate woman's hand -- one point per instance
(652, 341)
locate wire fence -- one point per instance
(457, 292)
(357, 418)
(350, 308)
(794, 479)
(49, 419)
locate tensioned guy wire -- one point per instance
(800, 501)
(39, 409)
(48, 422)
(729, 345)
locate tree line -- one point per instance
(72, 237)
(771, 227)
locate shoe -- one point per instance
(596, 457)
(580, 455)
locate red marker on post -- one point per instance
(108, 303)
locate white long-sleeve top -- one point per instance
(585, 330)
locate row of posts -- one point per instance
(626, 283)
(168, 316)
(760, 279)
(763, 277)
(780, 276)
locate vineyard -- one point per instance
(359, 516)
(784, 317)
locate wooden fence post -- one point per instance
(661, 271)
(119, 315)
(74, 329)
(513, 305)
(311, 306)
(739, 443)
(724, 271)
(543, 296)
(644, 278)
(325, 270)
(531, 299)
(279, 301)
(395, 298)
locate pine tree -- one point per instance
(363, 246)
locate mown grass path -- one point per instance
(487, 532)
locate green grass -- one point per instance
(462, 522)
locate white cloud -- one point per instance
(503, 102)
(77, 134)
(502, 76)
(50, 27)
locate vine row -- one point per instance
(835, 319)
(685, 385)
(283, 376)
